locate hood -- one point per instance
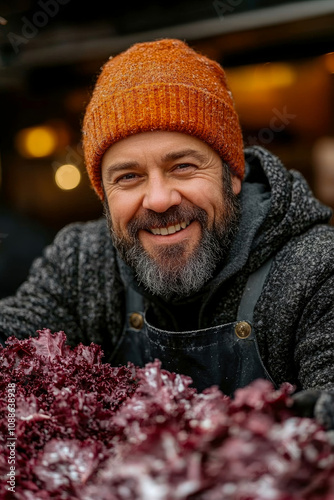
(276, 204)
(292, 210)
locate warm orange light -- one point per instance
(67, 177)
(36, 142)
(329, 62)
(261, 77)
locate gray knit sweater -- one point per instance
(78, 284)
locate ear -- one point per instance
(236, 184)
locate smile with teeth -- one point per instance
(170, 229)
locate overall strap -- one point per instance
(134, 301)
(252, 292)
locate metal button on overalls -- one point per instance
(243, 329)
(136, 320)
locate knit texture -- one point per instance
(162, 85)
(78, 285)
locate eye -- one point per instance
(127, 177)
(184, 167)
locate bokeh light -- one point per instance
(36, 142)
(67, 177)
(261, 77)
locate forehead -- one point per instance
(160, 143)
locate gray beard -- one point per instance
(170, 274)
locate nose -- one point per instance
(160, 195)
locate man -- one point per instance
(220, 261)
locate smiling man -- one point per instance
(214, 259)
(172, 209)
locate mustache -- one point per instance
(174, 215)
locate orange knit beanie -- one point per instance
(161, 85)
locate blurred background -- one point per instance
(278, 56)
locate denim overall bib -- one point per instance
(225, 355)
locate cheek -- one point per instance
(122, 210)
(210, 199)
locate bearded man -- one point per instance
(214, 259)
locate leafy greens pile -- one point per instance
(86, 430)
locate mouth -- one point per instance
(165, 231)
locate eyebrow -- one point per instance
(120, 167)
(170, 156)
